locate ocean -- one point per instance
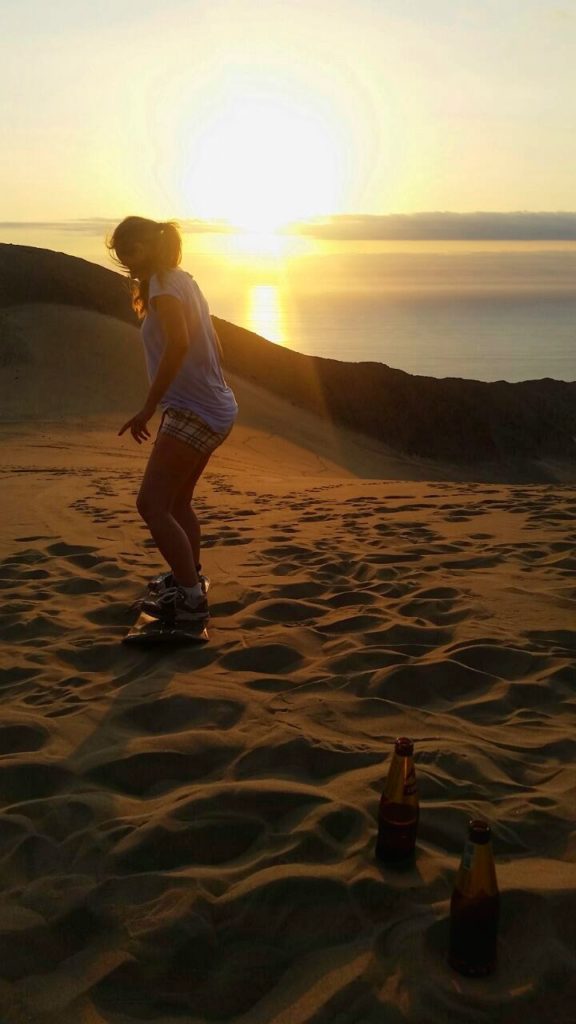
(480, 310)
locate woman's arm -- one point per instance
(171, 315)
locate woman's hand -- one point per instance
(138, 425)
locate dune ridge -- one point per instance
(465, 421)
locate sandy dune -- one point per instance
(187, 835)
(517, 431)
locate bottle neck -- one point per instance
(477, 874)
(401, 782)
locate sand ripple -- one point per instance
(188, 835)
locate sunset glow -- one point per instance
(263, 114)
(266, 159)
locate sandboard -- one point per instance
(147, 631)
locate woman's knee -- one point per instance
(149, 508)
(182, 506)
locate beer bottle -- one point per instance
(475, 906)
(398, 811)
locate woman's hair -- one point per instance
(166, 252)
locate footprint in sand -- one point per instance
(301, 760)
(218, 839)
(16, 738)
(266, 658)
(31, 780)
(177, 714)
(152, 772)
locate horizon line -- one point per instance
(513, 225)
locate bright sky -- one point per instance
(267, 111)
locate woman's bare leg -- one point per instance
(172, 464)
(186, 517)
(184, 513)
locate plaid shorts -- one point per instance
(188, 427)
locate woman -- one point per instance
(182, 352)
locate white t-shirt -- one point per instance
(198, 384)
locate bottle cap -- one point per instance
(404, 747)
(479, 831)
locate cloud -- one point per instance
(520, 226)
(101, 226)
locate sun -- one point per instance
(264, 159)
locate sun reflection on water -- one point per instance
(265, 312)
